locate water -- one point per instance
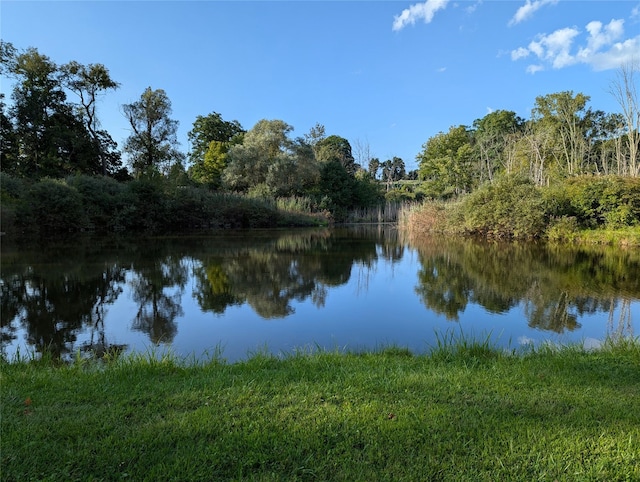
(278, 291)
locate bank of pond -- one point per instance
(466, 411)
(601, 209)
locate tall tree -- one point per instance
(491, 135)
(393, 170)
(446, 161)
(625, 90)
(315, 135)
(38, 104)
(8, 141)
(210, 138)
(88, 82)
(266, 144)
(152, 143)
(374, 166)
(336, 148)
(563, 114)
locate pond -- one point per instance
(358, 288)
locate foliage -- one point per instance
(87, 82)
(266, 144)
(336, 189)
(45, 134)
(152, 143)
(446, 162)
(210, 139)
(511, 207)
(492, 135)
(393, 170)
(610, 201)
(52, 206)
(336, 148)
(103, 199)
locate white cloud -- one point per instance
(532, 69)
(528, 9)
(635, 12)
(472, 8)
(619, 54)
(599, 38)
(519, 53)
(553, 48)
(418, 11)
(602, 48)
(442, 69)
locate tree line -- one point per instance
(52, 130)
(563, 138)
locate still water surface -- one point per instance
(356, 288)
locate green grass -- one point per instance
(467, 411)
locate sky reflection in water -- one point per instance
(348, 289)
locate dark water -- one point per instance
(278, 291)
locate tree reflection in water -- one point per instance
(556, 286)
(52, 294)
(53, 305)
(151, 289)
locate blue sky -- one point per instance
(384, 74)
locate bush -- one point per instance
(102, 199)
(147, 206)
(511, 207)
(11, 188)
(564, 228)
(613, 201)
(191, 207)
(52, 206)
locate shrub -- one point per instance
(613, 201)
(147, 206)
(564, 228)
(511, 207)
(191, 207)
(12, 191)
(52, 206)
(102, 199)
(11, 187)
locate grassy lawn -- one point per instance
(464, 412)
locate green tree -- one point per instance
(209, 170)
(88, 82)
(445, 161)
(563, 116)
(492, 135)
(336, 148)
(393, 170)
(152, 143)
(337, 188)
(210, 139)
(266, 144)
(39, 111)
(315, 135)
(8, 141)
(374, 167)
(604, 134)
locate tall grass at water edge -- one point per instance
(389, 212)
